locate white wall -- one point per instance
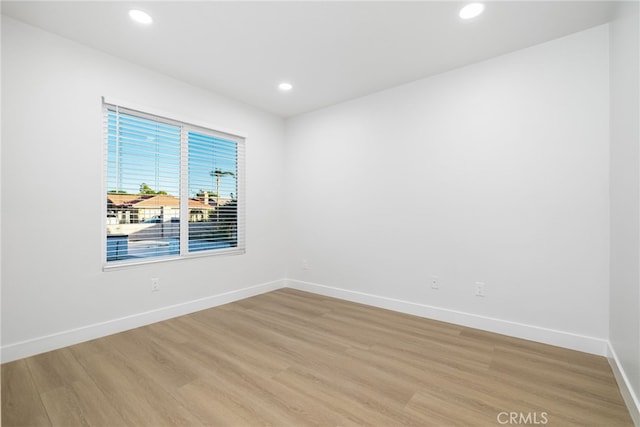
(52, 281)
(496, 172)
(625, 192)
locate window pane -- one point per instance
(213, 189)
(143, 176)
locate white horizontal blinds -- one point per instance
(143, 194)
(213, 191)
(173, 189)
(240, 194)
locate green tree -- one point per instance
(145, 189)
(202, 193)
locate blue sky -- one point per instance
(149, 151)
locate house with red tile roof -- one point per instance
(131, 208)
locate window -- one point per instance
(173, 189)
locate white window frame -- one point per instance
(186, 125)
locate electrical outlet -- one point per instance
(155, 284)
(480, 291)
(435, 282)
(305, 264)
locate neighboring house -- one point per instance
(133, 209)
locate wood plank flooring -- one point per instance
(290, 358)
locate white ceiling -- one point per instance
(330, 51)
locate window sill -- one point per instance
(119, 265)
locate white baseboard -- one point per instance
(42, 344)
(583, 343)
(630, 398)
(519, 330)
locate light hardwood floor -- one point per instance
(290, 358)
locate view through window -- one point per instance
(173, 189)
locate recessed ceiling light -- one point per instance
(285, 86)
(471, 10)
(140, 16)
